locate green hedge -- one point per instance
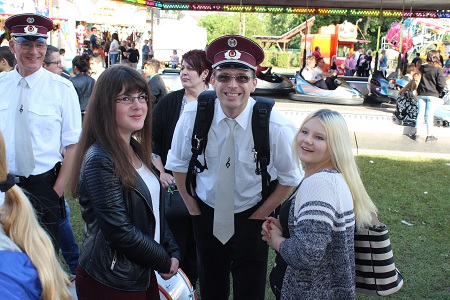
(281, 59)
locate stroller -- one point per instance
(406, 110)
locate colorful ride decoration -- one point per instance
(338, 39)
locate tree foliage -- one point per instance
(218, 24)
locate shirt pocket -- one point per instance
(44, 120)
(4, 105)
(247, 175)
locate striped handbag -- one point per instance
(376, 273)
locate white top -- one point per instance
(312, 73)
(153, 186)
(2, 198)
(247, 184)
(54, 114)
(114, 47)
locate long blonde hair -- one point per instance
(342, 158)
(20, 224)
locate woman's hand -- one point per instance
(166, 180)
(272, 233)
(173, 269)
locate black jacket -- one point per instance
(84, 85)
(432, 82)
(165, 117)
(118, 247)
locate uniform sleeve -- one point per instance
(180, 152)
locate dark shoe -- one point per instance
(431, 138)
(413, 136)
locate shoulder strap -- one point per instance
(203, 120)
(260, 129)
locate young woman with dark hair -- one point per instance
(126, 238)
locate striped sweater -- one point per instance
(320, 251)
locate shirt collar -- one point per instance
(32, 79)
(243, 118)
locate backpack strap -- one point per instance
(203, 120)
(261, 150)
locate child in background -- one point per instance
(442, 112)
(446, 70)
(155, 82)
(174, 60)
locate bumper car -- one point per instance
(344, 94)
(272, 84)
(382, 89)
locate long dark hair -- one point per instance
(99, 125)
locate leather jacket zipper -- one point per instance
(114, 260)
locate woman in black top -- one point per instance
(133, 55)
(430, 88)
(195, 74)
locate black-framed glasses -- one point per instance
(56, 62)
(130, 100)
(225, 78)
(31, 45)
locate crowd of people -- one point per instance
(122, 146)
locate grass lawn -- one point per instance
(415, 190)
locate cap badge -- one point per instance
(232, 42)
(232, 54)
(30, 20)
(30, 29)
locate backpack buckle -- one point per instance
(199, 141)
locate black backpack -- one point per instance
(260, 128)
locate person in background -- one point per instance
(430, 88)
(447, 62)
(361, 63)
(368, 63)
(96, 65)
(68, 245)
(442, 112)
(150, 46)
(157, 86)
(114, 49)
(446, 70)
(29, 268)
(174, 60)
(382, 60)
(145, 51)
(126, 237)
(44, 107)
(7, 59)
(52, 62)
(333, 65)
(416, 58)
(321, 220)
(233, 249)
(83, 83)
(123, 50)
(195, 76)
(316, 53)
(93, 40)
(62, 54)
(348, 65)
(441, 58)
(133, 55)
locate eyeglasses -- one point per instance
(225, 78)
(130, 100)
(56, 62)
(31, 45)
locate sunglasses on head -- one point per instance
(225, 78)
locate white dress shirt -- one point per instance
(247, 184)
(54, 116)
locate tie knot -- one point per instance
(231, 123)
(23, 83)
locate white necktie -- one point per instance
(224, 205)
(24, 150)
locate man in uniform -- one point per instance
(234, 245)
(40, 118)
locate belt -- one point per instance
(33, 178)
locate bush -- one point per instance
(283, 59)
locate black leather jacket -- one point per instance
(118, 247)
(83, 85)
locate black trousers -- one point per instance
(46, 203)
(180, 223)
(244, 256)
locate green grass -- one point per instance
(416, 190)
